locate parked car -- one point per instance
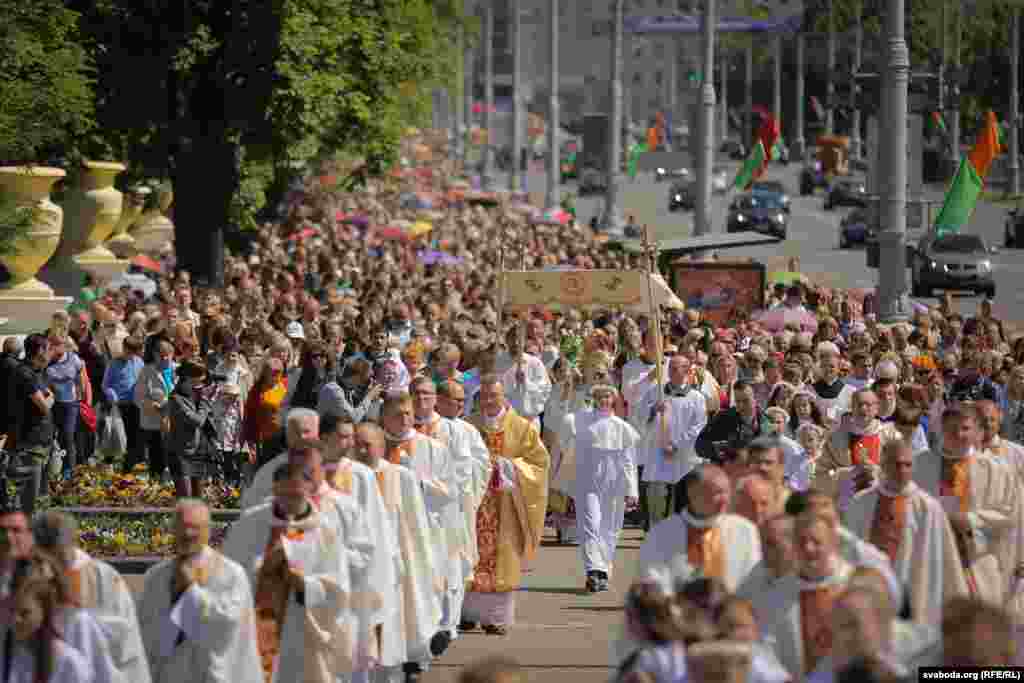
(953, 262)
(856, 228)
(734, 149)
(719, 180)
(846, 193)
(1013, 230)
(592, 181)
(812, 177)
(760, 213)
(663, 174)
(682, 196)
(773, 188)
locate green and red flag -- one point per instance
(819, 111)
(752, 167)
(969, 180)
(769, 135)
(939, 122)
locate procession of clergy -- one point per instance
(365, 549)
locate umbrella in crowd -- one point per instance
(149, 263)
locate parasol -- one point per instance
(776, 319)
(148, 263)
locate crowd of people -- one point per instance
(834, 500)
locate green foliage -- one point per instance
(46, 95)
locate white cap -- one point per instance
(294, 331)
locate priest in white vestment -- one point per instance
(301, 424)
(451, 396)
(419, 609)
(606, 481)
(97, 587)
(674, 420)
(796, 614)
(526, 380)
(911, 528)
(196, 611)
(301, 566)
(704, 539)
(778, 548)
(981, 497)
(994, 445)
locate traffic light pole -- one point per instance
(855, 122)
(613, 221)
(954, 114)
(486, 174)
(723, 93)
(748, 113)
(1014, 141)
(517, 98)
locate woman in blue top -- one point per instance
(64, 375)
(119, 380)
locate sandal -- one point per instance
(495, 629)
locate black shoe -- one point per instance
(467, 626)
(412, 672)
(593, 582)
(439, 643)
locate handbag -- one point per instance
(88, 416)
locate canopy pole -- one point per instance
(501, 294)
(651, 250)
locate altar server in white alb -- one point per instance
(301, 567)
(912, 529)
(196, 610)
(98, 588)
(526, 380)
(605, 449)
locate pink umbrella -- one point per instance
(776, 319)
(302, 234)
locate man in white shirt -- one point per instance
(526, 380)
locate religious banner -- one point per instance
(719, 289)
(529, 289)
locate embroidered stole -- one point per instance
(865, 449)
(816, 623)
(488, 521)
(342, 479)
(271, 600)
(888, 524)
(956, 483)
(396, 451)
(704, 549)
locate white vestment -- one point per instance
(665, 553)
(107, 598)
(208, 635)
(69, 665)
(927, 562)
(779, 615)
(1008, 452)
(678, 428)
(262, 486)
(994, 514)
(526, 398)
(605, 448)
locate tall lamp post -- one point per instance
(517, 97)
(777, 82)
(613, 221)
(1015, 102)
(830, 84)
(748, 106)
(554, 153)
(954, 114)
(892, 272)
(486, 174)
(469, 82)
(858, 49)
(706, 152)
(798, 137)
(723, 93)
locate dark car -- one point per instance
(592, 181)
(812, 177)
(856, 228)
(952, 262)
(772, 188)
(734, 150)
(846, 193)
(682, 197)
(760, 213)
(1013, 231)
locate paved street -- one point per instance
(813, 236)
(562, 634)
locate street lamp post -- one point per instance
(830, 83)
(892, 272)
(702, 224)
(798, 138)
(723, 90)
(469, 82)
(671, 84)
(613, 222)
(486, 174)
(858, 48)
(517, 96)
(777, 83)
(748, 111)
(954, 114)
(554, 153)
(1015, 102)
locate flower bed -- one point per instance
(119, 536)
(102, 486)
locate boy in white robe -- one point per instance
(196, 611)
(419, 609)
(299, 566)
(912, 529)
(606, 480)
(97, 587)
(703, 539)
(526, 380)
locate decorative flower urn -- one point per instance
(25, 301)
(122, 243)
(91, 211)
(153, 230)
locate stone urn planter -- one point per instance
(121, 242)
(30, 187)
(153, 230)
(25, 301)
(91, 211)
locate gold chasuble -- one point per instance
(704, 549)
(510, 522)
(887, 526)
(271, 598)
(956, 483)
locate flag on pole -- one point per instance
(939, 122)
(777, 149)
(819, 111)
(751, 167)
(769, 134)
(635, 150)
(969, 180)
(1001, 130)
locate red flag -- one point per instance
(768, 135)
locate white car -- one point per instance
(719, 181)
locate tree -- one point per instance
(214, 93)
(45, 92)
